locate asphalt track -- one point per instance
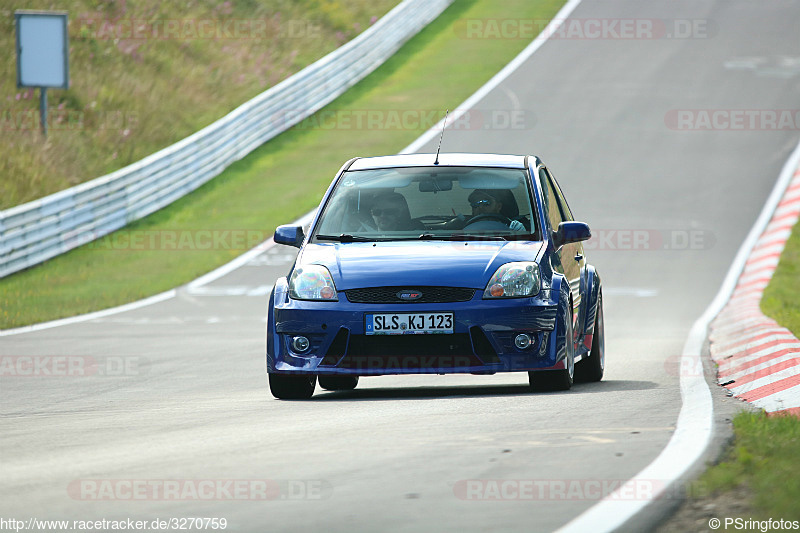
(192, 402)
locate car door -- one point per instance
(570, 255)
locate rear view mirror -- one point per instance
(289, 235)
(435, 185)
(571, 232)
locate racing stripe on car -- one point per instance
(759, 360)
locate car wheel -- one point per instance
(338, 382)
(557, 380)
(292, 387)
(591, 369)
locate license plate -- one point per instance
(408, 323)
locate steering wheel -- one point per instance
(489, 216)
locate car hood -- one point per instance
(442, 263)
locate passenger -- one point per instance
(390, 213)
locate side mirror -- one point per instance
(289, 235)
(571, 232)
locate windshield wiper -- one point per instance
(344, 237)
(460, 237)
(347, 237)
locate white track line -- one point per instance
(91, 316)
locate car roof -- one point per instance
(445, 159)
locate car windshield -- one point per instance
(447, 203)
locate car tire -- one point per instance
(591, 369)
(338, 382)
(292, 387)
(557, 380)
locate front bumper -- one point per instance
(482, 341)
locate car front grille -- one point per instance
(389, 295)
(430, 352)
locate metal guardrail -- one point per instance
(36, 231)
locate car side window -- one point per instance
(550, 200)
(560, 198)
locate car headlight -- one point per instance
(312, 282)
(514, 280)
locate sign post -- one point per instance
(42, 54)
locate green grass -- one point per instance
(132, 94)
(280, 181)
(765, 459)
(781, 299)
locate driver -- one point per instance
(496, 202)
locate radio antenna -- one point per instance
(441, 136)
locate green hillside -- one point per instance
(145, 74)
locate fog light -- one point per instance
(300, 344)
(522, 341)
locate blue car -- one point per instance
(436, 264)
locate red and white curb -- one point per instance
(759, 360)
